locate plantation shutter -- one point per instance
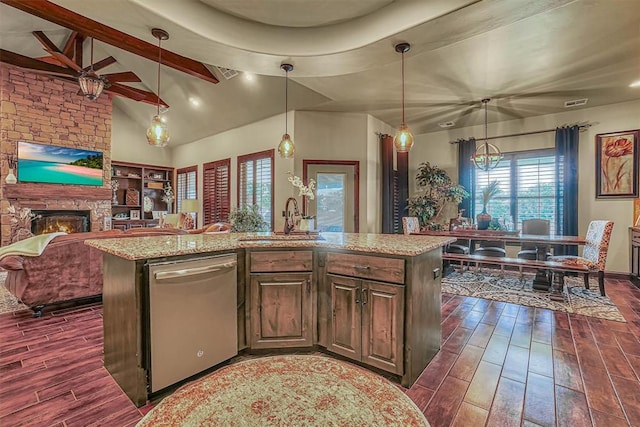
(536, 183)
(186, 185)
(255, 182)
(216, 203)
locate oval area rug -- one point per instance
(293, 390)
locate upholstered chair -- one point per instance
(533, 226)
(594, 252)
(410, 224)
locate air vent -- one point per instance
(446, 124)
(227, 73)
(575, 103)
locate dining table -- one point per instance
(541, 241)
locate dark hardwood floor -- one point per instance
(500, 365)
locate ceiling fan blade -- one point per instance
(65, 60)
(127, 76)
(101, 64)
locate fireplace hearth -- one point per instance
(50, 221)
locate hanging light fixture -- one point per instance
(404, 138)
(158, 134)
(286, 148)
(487, 156)
(91, 84)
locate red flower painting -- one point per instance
(617, 157)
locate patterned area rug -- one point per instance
(509, 287)
(8, 303)
(296, 390)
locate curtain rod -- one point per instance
(581, 127)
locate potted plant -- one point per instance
(247, 219)
(488, 192)
(435, 191)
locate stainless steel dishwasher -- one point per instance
(193, 320)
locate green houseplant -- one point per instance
(489, 192)
(247, 219)
(436, 190)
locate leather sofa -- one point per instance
(67, 271)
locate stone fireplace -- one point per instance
(46, 110)
(60, 220)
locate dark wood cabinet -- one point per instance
(634, 268)
(366, 321)
(282, 288)
(137, 191)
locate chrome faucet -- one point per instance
(289, 223)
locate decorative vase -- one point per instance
(306, 225)
(483, 219)
(10, 178)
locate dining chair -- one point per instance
(533, 226)
(491, 248)
(594, 252)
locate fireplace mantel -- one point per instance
(55, 191)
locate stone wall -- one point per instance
(43, 109)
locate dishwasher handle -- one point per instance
(186, 272)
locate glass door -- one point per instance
(334, 207)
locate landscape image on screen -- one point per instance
(58, 165)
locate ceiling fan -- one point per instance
(91, 83)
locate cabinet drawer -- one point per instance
(269, 261)
(366, 267)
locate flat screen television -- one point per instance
(58, 165)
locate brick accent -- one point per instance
(39, 108)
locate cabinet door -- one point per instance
(383, 326)
(344, 332)
(281, 310)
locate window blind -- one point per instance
(528, 187)
(216, 203)
(186, 185)
(255, 182)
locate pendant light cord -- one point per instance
(402, 87)
(159, 62)
(286, 103)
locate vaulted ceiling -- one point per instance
(528, 56)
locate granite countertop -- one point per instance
(136, 248)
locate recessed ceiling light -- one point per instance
(249, 77)
(446, 124)
(635, 84)
(194, 101)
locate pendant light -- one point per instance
(158, 134)
(487, 156)
(404, 138)
(286, 148)
(92, 84)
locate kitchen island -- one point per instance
(373, 298)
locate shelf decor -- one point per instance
(617, 164)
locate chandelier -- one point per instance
(92, 84)
(487, 156)
(286, 148)
(403, 140)
(158, 133)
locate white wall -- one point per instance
(129, 142)
(435, 148)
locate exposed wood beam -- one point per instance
(136, 94)
(75, 22)
(77, 54)
(33, 64)
(70, 44)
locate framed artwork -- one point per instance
(106, 223)
(617, 164)
(134, 214)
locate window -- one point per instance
(255, 182)
(528, 183)
(186, 186)
(217, 193)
